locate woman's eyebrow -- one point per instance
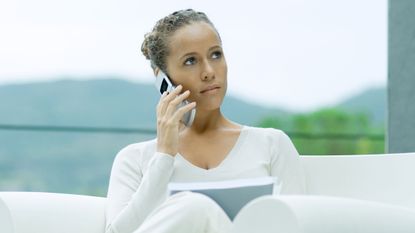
(187, 54)
(193, 53)
(215, 47)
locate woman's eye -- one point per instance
(190, 61)
(216, 55)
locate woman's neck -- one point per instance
(207, 121)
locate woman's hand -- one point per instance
(168, 120)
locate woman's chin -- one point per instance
(208, 107)
(209, 104)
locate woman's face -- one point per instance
(196, 61)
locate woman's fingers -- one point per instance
(170, 110)
(166, 98)
(178, 115)
(159, 105)
(172, 106)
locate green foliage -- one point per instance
(330, 131)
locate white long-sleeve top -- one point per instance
(140, 175)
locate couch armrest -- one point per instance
(6, 224)
(32, 212)
(322, 214)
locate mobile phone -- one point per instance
(163, 83)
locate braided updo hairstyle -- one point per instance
(155, 44)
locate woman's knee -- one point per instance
(194, 202)
(205, 212)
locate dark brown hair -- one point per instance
(155, 45)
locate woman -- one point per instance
(186, 46)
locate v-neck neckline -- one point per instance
(231, 153)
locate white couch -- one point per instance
(353, 193)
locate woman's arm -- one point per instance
(285, 165)
(132, 195)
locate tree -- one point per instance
(329, 131)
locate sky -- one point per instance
(296, 54)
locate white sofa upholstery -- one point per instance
(35, 212)
(356, 193)
(346, 194)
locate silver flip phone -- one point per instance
(163, 84)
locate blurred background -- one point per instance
(75, 89)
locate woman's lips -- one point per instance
(210, 89)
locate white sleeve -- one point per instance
(286, 166)
(132, 195)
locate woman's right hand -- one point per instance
(169, 120)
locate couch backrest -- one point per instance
(33, 212)
(388, 178)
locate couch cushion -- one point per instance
(52, 212)
(6, 225)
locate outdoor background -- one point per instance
(75, 89)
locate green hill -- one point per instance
(108, 102)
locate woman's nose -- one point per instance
(208, 71)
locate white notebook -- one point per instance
(231, 195)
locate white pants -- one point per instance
(187, 212)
